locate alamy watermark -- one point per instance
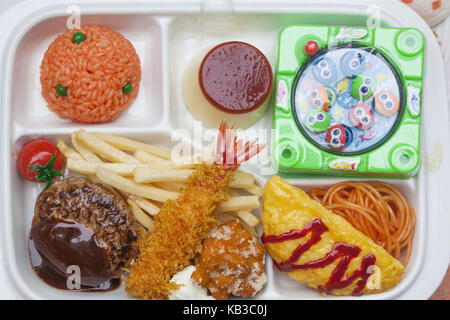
(199, 145)
(74, 19)
(73, 281)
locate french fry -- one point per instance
(94, 179)
(68, 152)
(196, 158)
(241, 180)
(87, 154)
(255, 190)
(145, 157)
(246, 216)
(171, 186)
(88, 168)
(103, 149)
(129, 186)
(81, 166)
(250, 219)
(132, 145)
(145, 204)
(146, 175)
(141, 216)
(239, 203)
(233, 193)
(123, 169)
(168, 165)
(156, 162)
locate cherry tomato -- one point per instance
(38, 152)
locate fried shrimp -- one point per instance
(182, 224)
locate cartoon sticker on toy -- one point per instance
(282, 94)
(336, 137)
(325, 70)
(322, 98)
(317, 120)
(345, 164)
(351, 33)
(362, 87)
(337, 113)
(361, 116)
(319, 98)
(353, 63)
(414, 100)
(342, 85)
(386, 103)
(368, 134)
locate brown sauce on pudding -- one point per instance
(54, 245)
(235, 77)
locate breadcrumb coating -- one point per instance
(231, 262)
(180, 227)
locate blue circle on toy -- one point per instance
(353, 63)
(325, 70)
(363, 84)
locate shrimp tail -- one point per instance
(232, 151)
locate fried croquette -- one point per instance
(180, 227)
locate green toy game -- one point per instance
(348, 100)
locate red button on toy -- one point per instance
(311, 48)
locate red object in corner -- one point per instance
(311, 48)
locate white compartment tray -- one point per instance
(166, 35)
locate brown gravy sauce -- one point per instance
(54, 245)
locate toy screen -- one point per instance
(347, 100)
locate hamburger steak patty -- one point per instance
(96, 208)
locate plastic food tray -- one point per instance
(166, 35)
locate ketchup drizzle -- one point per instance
(345, 251)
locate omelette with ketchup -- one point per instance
(320, 248)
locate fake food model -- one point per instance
(200, 206)
(349, 100)
(231, 262)
(184, 222)
(232, 82)
(320, 248)
(90, 75)
(78, 223)
(40, 160)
